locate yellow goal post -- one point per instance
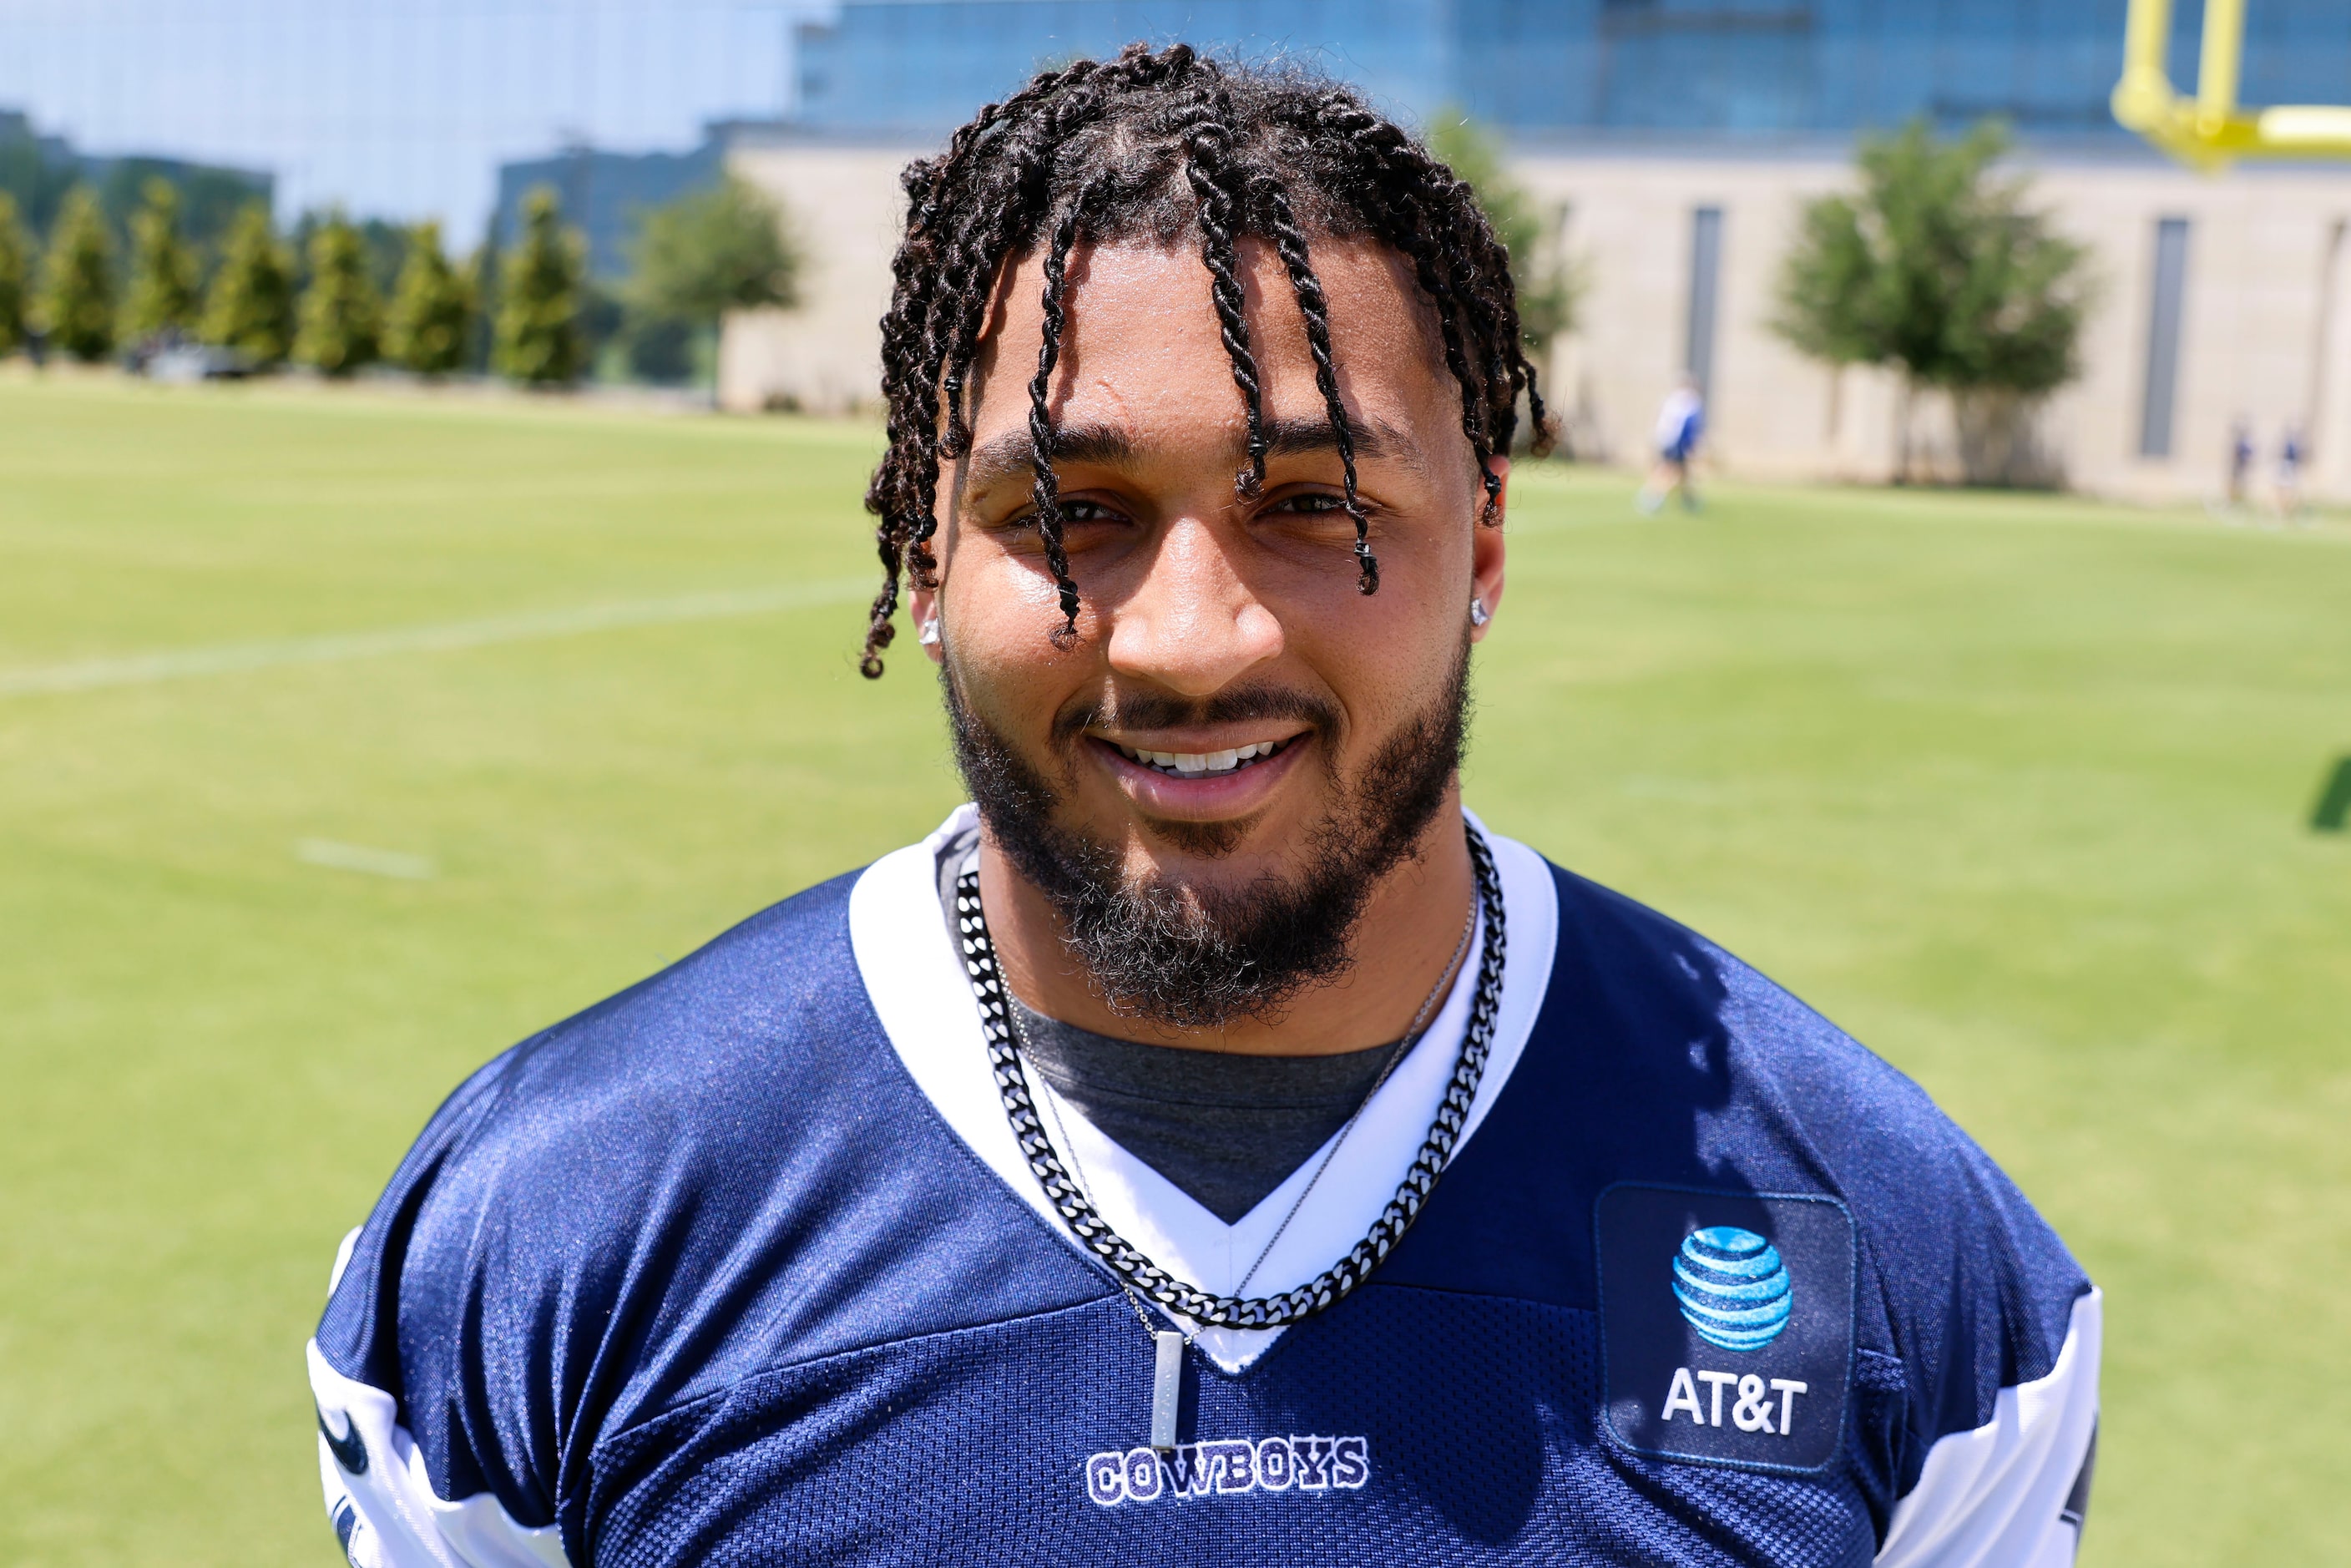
(2211, 129)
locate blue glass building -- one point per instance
(1731, 69)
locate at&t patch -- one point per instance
(1726, 1322)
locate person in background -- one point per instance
(2241, 463)
(1681, 422)
(2289, 475)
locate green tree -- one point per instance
(1940, 271)
(77, 305)
(251, 305)
(539, 337)
(15, 265)
(481, 277)
(163, 290)
(693, 259)
(1546, 282)
(386, 243)
(431, 307)
(712, 251)
(341, 315)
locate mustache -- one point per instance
(1164, 710)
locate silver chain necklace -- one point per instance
(1138, 1274)
(1402, 1049)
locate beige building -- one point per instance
(2219, 302)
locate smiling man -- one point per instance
(1212, 1144)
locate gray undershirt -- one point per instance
(1225, 1129)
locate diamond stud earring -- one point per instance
(1479, 613)
(929, 635)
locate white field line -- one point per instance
(189, 663)
(360, 858)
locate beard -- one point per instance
(1193, 956)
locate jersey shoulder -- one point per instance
(1774, 1092)
(721, 1170)
(1660, 1060)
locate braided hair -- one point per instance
(1174, 147)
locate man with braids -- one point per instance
(1214, 1143)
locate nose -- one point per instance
(1193, 625)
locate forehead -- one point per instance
(1140, 343)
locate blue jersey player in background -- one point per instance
(1681, 425)
(1213, 1145)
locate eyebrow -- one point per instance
(1011, 456)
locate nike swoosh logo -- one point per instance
(349, 1450)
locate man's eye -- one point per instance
(1312, 505)
(1072, 512)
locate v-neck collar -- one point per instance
(916, 982)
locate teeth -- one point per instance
(1191, 764)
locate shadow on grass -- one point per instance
(2335, 801)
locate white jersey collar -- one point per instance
(915, 979)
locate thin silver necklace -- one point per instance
(1139, 1276)
(1402, 1049)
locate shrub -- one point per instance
(1940, 271)
(16, 264)
(251, 305)
(341, 317)
(712, 251)
(76, 304)
(539, 337)
(161, 294)
(431, 307)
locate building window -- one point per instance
(1705, 286)
(2163, 338)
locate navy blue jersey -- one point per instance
(739, 1266)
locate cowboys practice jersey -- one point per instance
(744, 1266)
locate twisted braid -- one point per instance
(1207, 167)
(970, 267)
(1289, 243)
(1160, 145)
(896, 494)
(1411, 181)
(964, 281)
(1046, 487)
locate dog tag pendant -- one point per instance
(1167, 1387)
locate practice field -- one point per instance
(346, 739)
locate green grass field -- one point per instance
(518, 700)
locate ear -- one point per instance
(1486, 550)
(922, 608)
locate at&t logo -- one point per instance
(1735, 1293)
